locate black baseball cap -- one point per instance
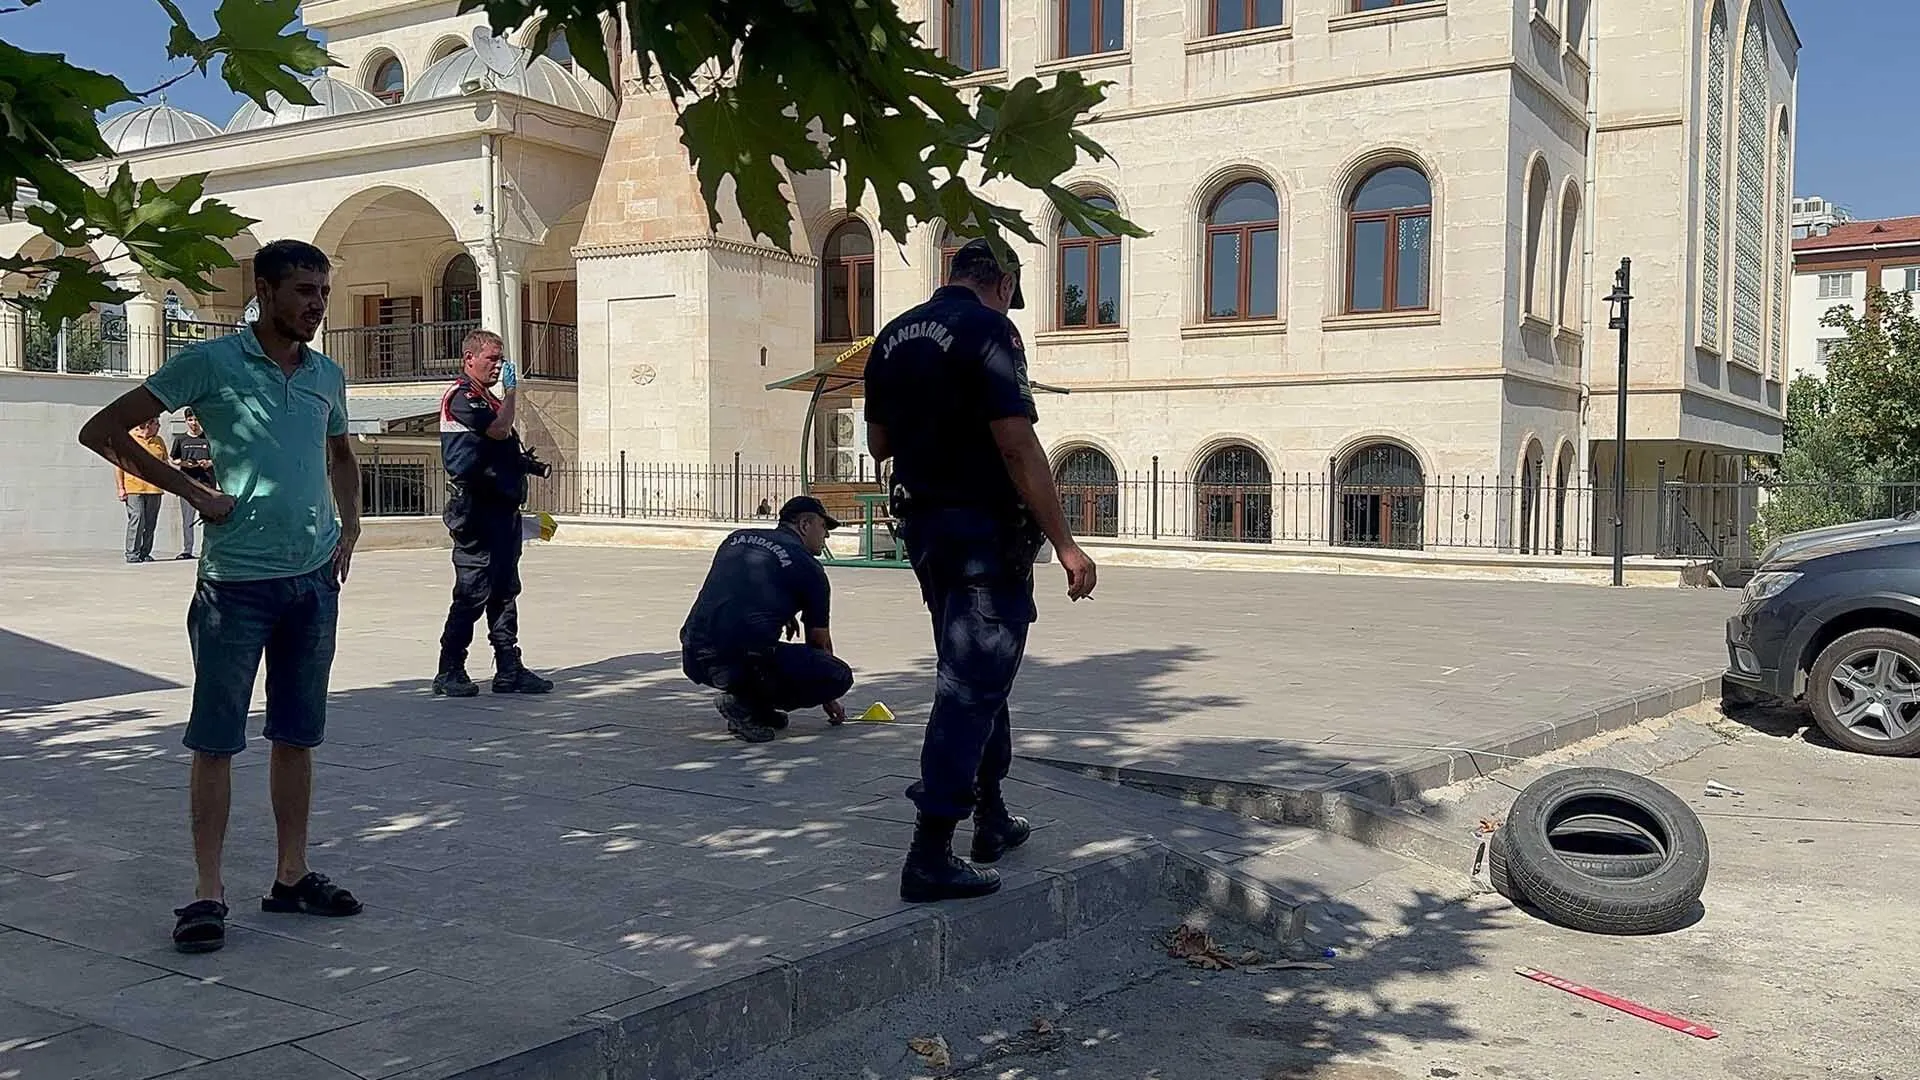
(806, 504)
(979, 252)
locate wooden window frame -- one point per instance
(972, 63)
(1092, 244)
(1389, 290)
(1099, 11)
(850, 267)
(1244, 271)
(1250, 7)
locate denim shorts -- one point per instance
(229, 625)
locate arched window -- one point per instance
(1234, 488)
(1532, 528)
(1230, 16)
(1092, 26)
(1089, 492)
(1089, 274)
(460, 291)
(1562, 480)
(1389, 226)
(1382, 498)
(1243, 253)
(389, 82)
(950, 243)
(1538, 295)
(847, 266)
(1782, 221)
(1570, 244)
(1750, 203)
(1713, 180)
(972, 34)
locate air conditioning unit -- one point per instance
(843, 465)
(842, 431)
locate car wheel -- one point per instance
(1651, 844)
(1864, 691)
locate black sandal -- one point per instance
(312, 895)
(202, 927)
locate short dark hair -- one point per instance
(275, 260)
(480, 339)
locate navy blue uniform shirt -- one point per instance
(759, 579)
(937, 377)
(489, 467)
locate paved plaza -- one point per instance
(527, 863)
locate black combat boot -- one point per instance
(996, 832)
(934, 873)
(453, 682)
(510, 676)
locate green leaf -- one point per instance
(77, 286)
(259, 58)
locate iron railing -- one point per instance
(427, 352)
(1720, 523)
(102, 343)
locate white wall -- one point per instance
(58, 495)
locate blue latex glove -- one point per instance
(509, 378)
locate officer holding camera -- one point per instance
(487, 473)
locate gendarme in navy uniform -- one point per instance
(949, 401)
(486, 483)
(765, 582)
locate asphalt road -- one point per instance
(1802, 961)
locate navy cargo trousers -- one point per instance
(976, 575)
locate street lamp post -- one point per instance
(1621, 319)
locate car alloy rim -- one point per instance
(1875, 694)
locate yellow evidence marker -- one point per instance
(877, 713)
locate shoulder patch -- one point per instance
(1014, 333)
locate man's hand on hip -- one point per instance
(215, 506)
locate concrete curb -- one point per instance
(1362, 806)
(729, 1016)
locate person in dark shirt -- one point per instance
(487, 482)
(192, 454)
(765, 582)
(948, 400)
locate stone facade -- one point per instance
(1500, 156)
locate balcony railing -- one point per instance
(429, 352)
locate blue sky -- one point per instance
(1856, 131)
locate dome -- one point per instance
(155, 125)
(335, 99)
(538, 78)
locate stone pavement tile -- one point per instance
(679, 956)
(206, 1019)
(96, 921)
(90, 1052)
(23, 1024)
(53, 973)
(1320, 865)
(664, 908)
(298, 972)
(548, 778)
(482, 1030)
(283, 1062)
(48, 858)
(874, 894)
(483, 954)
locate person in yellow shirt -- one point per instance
(142, 499)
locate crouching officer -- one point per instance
(487, 481)
(948, 400)
(764, 581)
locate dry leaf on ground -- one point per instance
(1198, 949)
(933, 1049)
(1042, 1026)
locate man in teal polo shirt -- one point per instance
(281, 528)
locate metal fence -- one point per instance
(102, 343)
(1720, 523)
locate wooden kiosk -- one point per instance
(861, 503)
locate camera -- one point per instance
(531, 464)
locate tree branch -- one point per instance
(164, 85)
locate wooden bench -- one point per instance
(838, 496)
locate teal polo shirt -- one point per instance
(269, 433)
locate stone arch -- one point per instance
(1233, 493)
(334, 226)
(1089, 484)
(1537, 237)
(1566, 484)
(1380, 489)
(1530, 519)
(1216, 182)
(1358, 170)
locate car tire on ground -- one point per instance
(1617, 864)
(1645, 898)
(1864, 691)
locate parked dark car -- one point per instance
(1838, 622)
(1786, 546)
